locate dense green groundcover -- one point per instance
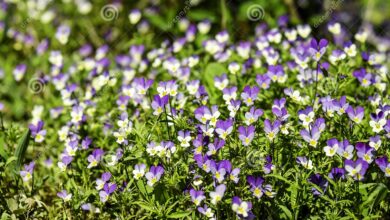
(112, 112)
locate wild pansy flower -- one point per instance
(241, 208)
(295, 95)
(112, 159)
(249, 95)
(375, 142)
(311, 136)
(276, 73)
(166, 148)
(224, 128)
(364, 78)
(332, 147)
(184, 137)
(142, 85)
(37, 131)
(212, 46)
(356, 115)
(356, 169)
(100, 182)
(350, 49)
(77, 114)
(234, 68)
(256, 184)
(327, 106)
(217, 195)
(64, 195)
(341, 105)
(271, 129)
(62, 34)
(243, 49)
(384, 165)
(317, 49)
(71, 147)
(337, 173)
(233, 107)
(263, 81)
(122, 102)
(27, 173)
(206, 211)
(268, 166)
(253, 115)
(377, 122)
(306, 163)
(139, 171)
(220, 82)
(19, 72)
(207, 130)
(336, 56)
(345, 149)
(193, 86)
(214, 147)
(246, 134)
(121, 136)
(108, 189)
(219, 170)
(197, 196)
(364, 151)
(306, 116)
(229, 93)
(90, 207)
(159, 103)
(64, 163)
(95, 158)
(154, 174)
(320, 181)
(167, 88)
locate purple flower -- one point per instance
(19, 71)
(355, 115)
(246, 134)
(154, 174)
(65, 161)
(224, 128)
(384, 165)
(205, 210)
(85, 143)
(364, 78)
(214, 147)
(37, 131)
(332, 147)
(95, 158)
(377, 121)
(375, 142)
(217, 195)
(256, 184)
(167, 88)
(268, 167)
(263, 81)
(26, 174)
(249, 95)
(64, 195)
(317, 49)
(158, 104)
(184, 137)
(241, 208)
(275, 73)
(345, 149)
(108, 189)
(271, 130)
(364, 151)
(122, 102)
(253, 115)
(337, 173)
(341, 105)
(139, 171)
(142, 85)
(100, 182)
(306, 116)
(306, 163)
(321, 182)
(311, 136)
(197, 196)
(356, 169)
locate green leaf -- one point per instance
(2, 149)
(22, 147)
(286, 211)
(376, 195)
(146, 206)
(179, 215)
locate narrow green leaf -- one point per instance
(177, 215)
(22, 147)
